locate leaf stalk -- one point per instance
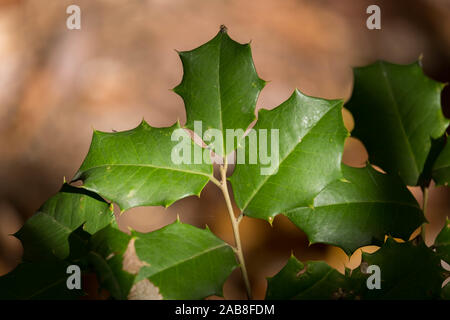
(235, 225)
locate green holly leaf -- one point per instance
(102, 253)
(314, 280)
(45, 280)
(311, 141)
(442, 242)
(441, 168)
(397, 111)
(359, 210)
(407, 270)
(106, 256)
(182, 262)
(220, 87)
(135, 168)
(46, 234)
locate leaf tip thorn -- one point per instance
(419, 59)
(223, 28)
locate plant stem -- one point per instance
(235, 224)
(424, 209)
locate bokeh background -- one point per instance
(57, 84)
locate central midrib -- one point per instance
(145, 165)
(356, 203)
(46, 288)
(282, 160)
(397, 112)
(187, 259)
(445, 166)
(219, 89)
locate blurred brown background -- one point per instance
(57, 84)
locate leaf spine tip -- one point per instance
(442, 85)
(223, 28)
(182, 54)
(419, 59)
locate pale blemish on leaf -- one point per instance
(131, 262)
(144, 290)
(301, 271)
(110, 256)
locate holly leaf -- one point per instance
(220, 87)
(182, 262)
(442, 242)
(102, 253)
(46, 234)
(314, 280)
(44, 280)
(441, 168)
(397, 111)
(309, 135)
(408, 270)
(359, 210)
(135, 167)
